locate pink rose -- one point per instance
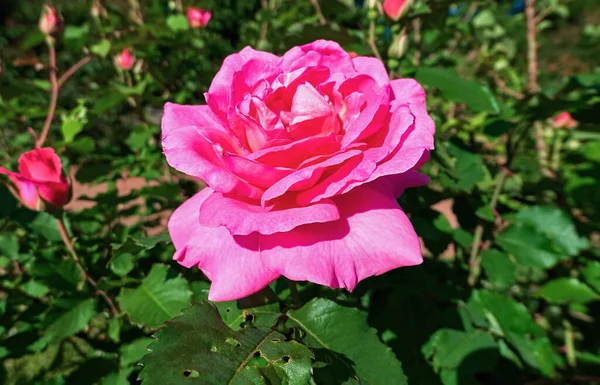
(304, 156)
(40, 178)
(49, 23)
(125, 59)
(197, 17)
(564, 120)
(395, 9)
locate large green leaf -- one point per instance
(71, 321)
(198, 348)
(345, 334)
(500, 270)
(157, 299)
(512, 320)
(565, 290)
(455, 88)
(541, 236)
(453, 351)
(591, 274)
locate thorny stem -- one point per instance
(67, 241)
(475, 258)
(53, 94)
(322, 19)
(371, 40)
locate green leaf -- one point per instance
(468, 168)
(498, 267)
(35, 289)
(541, 236)
(132, 353)
(71, 321)
(9, 246)
(346, 335)
(452, 350)
(591, 274)
(566, 290)
(177, 23)
(157, 299)
(198, 348)
(122, 264)
(454, 88)
(101, 48)
(41, 223)
(70, 127)
(512, 320)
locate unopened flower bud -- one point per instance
(49, 21)
(97, 10)
(198, 18)
(564, 120)
(395, 9)
(125, 59)
(399, 45)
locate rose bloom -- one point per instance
(125, 59)
(305, 156)
(40, 179)
(198, 18)
(564, 120)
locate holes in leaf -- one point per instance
(275, 340)
(233, 342)
(190, 373)
(286, 359)
(248, 317)
(257, 360)
(227, 310)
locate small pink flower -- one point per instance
(305, 156)
(49, 23)
(125, 59)
(197, 17)
(40, 178)
(395, 9)
(564, 120)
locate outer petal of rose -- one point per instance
(374, 68)
(231, 262)
(26, 189)
(411, 92)
(218, 96)
(318, 53)
(243, 218)
(372, 237)
(307, 176)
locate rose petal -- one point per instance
(41, 164)
(372, 237)
(26, 189)
(231, 262)
(253, 172)
(291, 155)
(374, 68)
(243, 218)
(410, 92)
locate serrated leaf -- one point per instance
(454, 88)
(498, 267)
(346, 335)
(157, 299)
(567, 290)
(529, 247)
(198, 348)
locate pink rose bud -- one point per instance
(49, 22)
(125, 59)
(303, 166)
(395, 9)
(197, 17)
(40, 179)
(564, 120)
(399, 46)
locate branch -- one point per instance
(67, 241)
(475, 258)
(53, 95)
(371, 40)
(502, 86)
(322, 19)
(64, 77)
(532, 59)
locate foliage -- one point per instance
(509, 292)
